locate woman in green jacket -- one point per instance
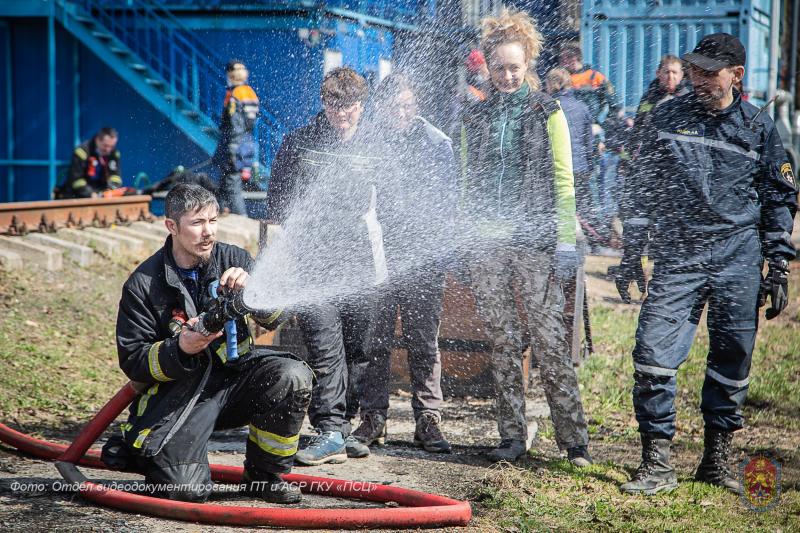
(518, 197)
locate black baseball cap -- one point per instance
(717, 51)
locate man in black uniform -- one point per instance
(191, 386)
(95, 166)
(717, 196)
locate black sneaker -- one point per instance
(355, 448)
(429, 436)
(271, 488)
(508, 450)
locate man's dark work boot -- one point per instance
(271, 488)
(579, 456)
(372, 429)
(428, 435)
(654, 474)
(714, 464)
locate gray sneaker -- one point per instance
(371, 430)
(355, 448)
(508, 450)
(325, 447)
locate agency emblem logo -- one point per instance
(786, 172)
(761, 482)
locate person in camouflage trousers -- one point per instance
(543, 300)
(518, 197)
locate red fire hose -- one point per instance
(419, 509)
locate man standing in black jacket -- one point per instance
(715, 197)
(191, 387)
(320, 182)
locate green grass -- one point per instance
(547, 493)
(57, 347)
(553, 495)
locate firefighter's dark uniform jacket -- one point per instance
(148, 349)
(91, 173)
(702, 175)
(716, 193)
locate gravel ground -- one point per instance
(31, 498)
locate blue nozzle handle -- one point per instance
(231, 342)
(231, 334)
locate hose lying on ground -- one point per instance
(418, 509)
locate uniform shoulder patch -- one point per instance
(786, 172)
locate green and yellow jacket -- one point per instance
(517, 181)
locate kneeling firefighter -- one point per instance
(198, 379)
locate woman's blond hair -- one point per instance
(513, 27)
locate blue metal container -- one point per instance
(626, 39)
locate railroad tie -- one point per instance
(45, 257)
(100, 244)
(79, 253)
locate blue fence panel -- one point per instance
(625, 39)
(7, 114)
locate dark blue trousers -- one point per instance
(725, 273)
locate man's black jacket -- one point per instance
(702, 175)
(302, 156)
(148, 350)
(90, 173)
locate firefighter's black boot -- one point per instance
(713, 467)
(271, 488)
(654, 474)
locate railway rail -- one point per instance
(21, 218)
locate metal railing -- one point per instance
(193, 73)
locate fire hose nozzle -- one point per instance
(227, 306)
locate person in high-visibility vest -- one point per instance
(235, 156)
(95, 166)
